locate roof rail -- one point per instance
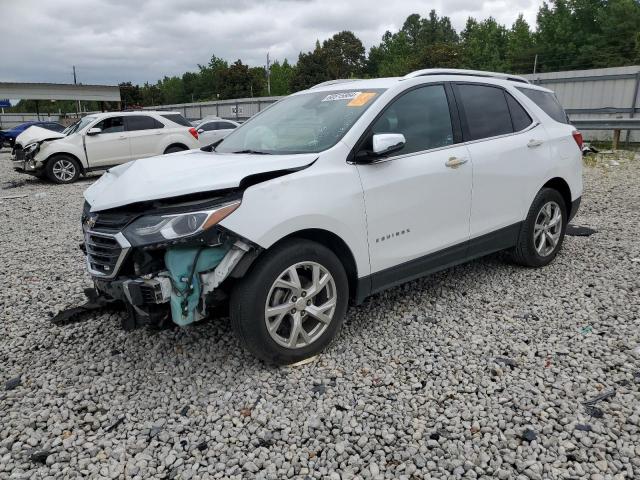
(335, 82)
(474, 73)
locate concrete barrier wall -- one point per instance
(237, 109)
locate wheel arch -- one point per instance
(561, 186)
(65, 154)
(334, 243)
(175, 144)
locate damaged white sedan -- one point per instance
(330, 195)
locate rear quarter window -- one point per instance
(177, 118)
(548, 102)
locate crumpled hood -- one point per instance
(182, 173)
(37, 134)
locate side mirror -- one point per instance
(384, 143)
(94, 131)
(200, 130)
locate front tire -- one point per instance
(63, 169)
(292, 302)
(542, 233)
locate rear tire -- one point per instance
(62, 169)
(542, 233)
(292, 302)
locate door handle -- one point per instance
(455, 162)
(122, 137)
(534, 143)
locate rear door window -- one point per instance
(519, 116)
(207, 127)
(485, 112)
(548, 102)
(177, 118)
(142, 122)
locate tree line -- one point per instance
(568, 35)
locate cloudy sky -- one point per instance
(111, 41)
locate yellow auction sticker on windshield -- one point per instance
(340, 96)
(361, 99)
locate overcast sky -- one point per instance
(111, 41)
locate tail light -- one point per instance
(577, 136)
(194, 132)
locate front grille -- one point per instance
(105, 253)
(112, 222)
(19, 152)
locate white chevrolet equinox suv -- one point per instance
(99, 141)
(330, 195)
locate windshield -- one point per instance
(79, 125)
(306, 123)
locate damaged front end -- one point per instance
(166, 261)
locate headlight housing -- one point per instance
(31, 149)
(151, 229)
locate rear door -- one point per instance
(207, 133)
(144, 133)
(507, 149)
(110, 146)
(418, 198)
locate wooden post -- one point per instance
(616, 139)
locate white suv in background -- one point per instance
(333, 194)
(100, 141)
(212, 129)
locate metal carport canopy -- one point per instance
(59, 91)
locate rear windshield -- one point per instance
(548, 102)
(177, 118)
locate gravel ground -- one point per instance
(481, 371)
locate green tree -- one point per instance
(345, 55)
(520, 51)
(484, 45)
(172, 90)
(420, 43)
(236, 81)
(619, 22)
(130, 94)
(281, 74)
(555, 38)
(311, 69)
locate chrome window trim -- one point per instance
(533, 125)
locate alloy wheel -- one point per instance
(547, 229)
(64, 170)
(300, 305)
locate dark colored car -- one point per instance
(9, 136)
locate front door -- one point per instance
(418, 199)
(110, 146)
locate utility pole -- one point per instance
(75, 82)
(268, 75)
(535, 63)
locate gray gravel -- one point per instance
(481, 371)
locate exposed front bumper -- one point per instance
(23, 164)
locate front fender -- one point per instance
(326, 196)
